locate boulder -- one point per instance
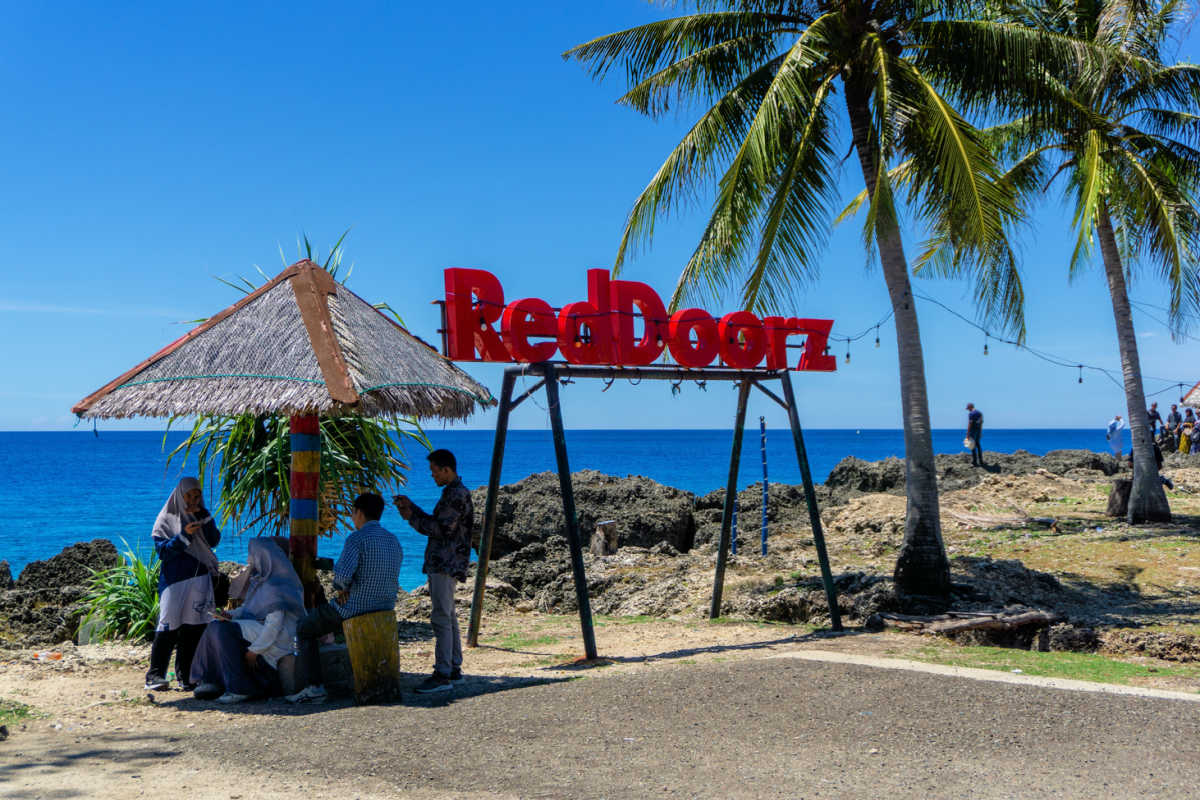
(72, 567)
(6, 578)
(645, 512)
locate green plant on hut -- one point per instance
(248, 458)
(122, 601)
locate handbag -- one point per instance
(968, 443)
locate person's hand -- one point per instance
(403, 505)
(251, 660)
(343, 596)
(192, 528)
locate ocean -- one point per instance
(65, 487)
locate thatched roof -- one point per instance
(301, 344)
(1192, 398)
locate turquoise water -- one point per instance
(67, 487)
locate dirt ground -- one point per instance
(90, 707)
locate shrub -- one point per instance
(123, 600)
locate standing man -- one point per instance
(1174, 419)
(974, 431)
(366, 578)
(447, 553)
(1154, 418)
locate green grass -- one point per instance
(1076, 666)
(518, 641)
(12, 712)
(601, 620)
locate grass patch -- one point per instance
(520, 641)
(636, 619)
(12, 712)
(1076, 666)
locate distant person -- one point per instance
(1154, 418)
(446, 556)
(1185, 437)
(1174, 419)
(974, 431)
(1113, 434)
(239, 653)
(1158, 458)
(184, 535)
(366, 578)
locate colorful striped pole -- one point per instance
(762, 426)
(302, 510)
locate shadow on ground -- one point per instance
(471, 686)
(132, 753)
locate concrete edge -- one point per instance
(974, 673)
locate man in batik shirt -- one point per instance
(447, 554)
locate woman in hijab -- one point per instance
(238, 655)
(184, 535)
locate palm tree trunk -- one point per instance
(921, 567)
(1147, 500)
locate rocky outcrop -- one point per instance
(46, 603)
(72, 567)
(853, 476)
(645, 512)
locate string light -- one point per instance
(1081, 373)
(847, 351)
(877, 336)
(985, 342)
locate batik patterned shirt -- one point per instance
(449, 529)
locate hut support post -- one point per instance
(730, 497)
(568, 495)
(810, 495)
(302, 509)
(489, 508)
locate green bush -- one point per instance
(123, 600)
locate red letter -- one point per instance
(814, 358)
(626, 295)
(679, 337)
(529, 317)
(743, 343)
(778, 329)
(468, 322)
(594, 315)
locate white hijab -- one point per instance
(174, 517)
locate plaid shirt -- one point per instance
(370, 568)
(449, 527)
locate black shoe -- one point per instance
(437, 682)
(456, 676)
(156, 683)
(187, 687)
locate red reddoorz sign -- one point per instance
(600, 330)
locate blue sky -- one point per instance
(148, 149)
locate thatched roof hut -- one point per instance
(301, 344)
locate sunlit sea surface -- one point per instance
(65, 487)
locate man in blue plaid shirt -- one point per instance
(367, 579)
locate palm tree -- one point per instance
(1128, 160)
(769, 72)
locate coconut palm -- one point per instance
(768, 73)
(1126, 158)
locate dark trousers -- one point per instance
(221, 660)
(183, 641)
(321, 620)
(977, 450)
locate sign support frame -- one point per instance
(550, 373)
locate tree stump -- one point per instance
(374, 656)
(604, 539)
(1118, 498)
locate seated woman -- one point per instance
(239, 652)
